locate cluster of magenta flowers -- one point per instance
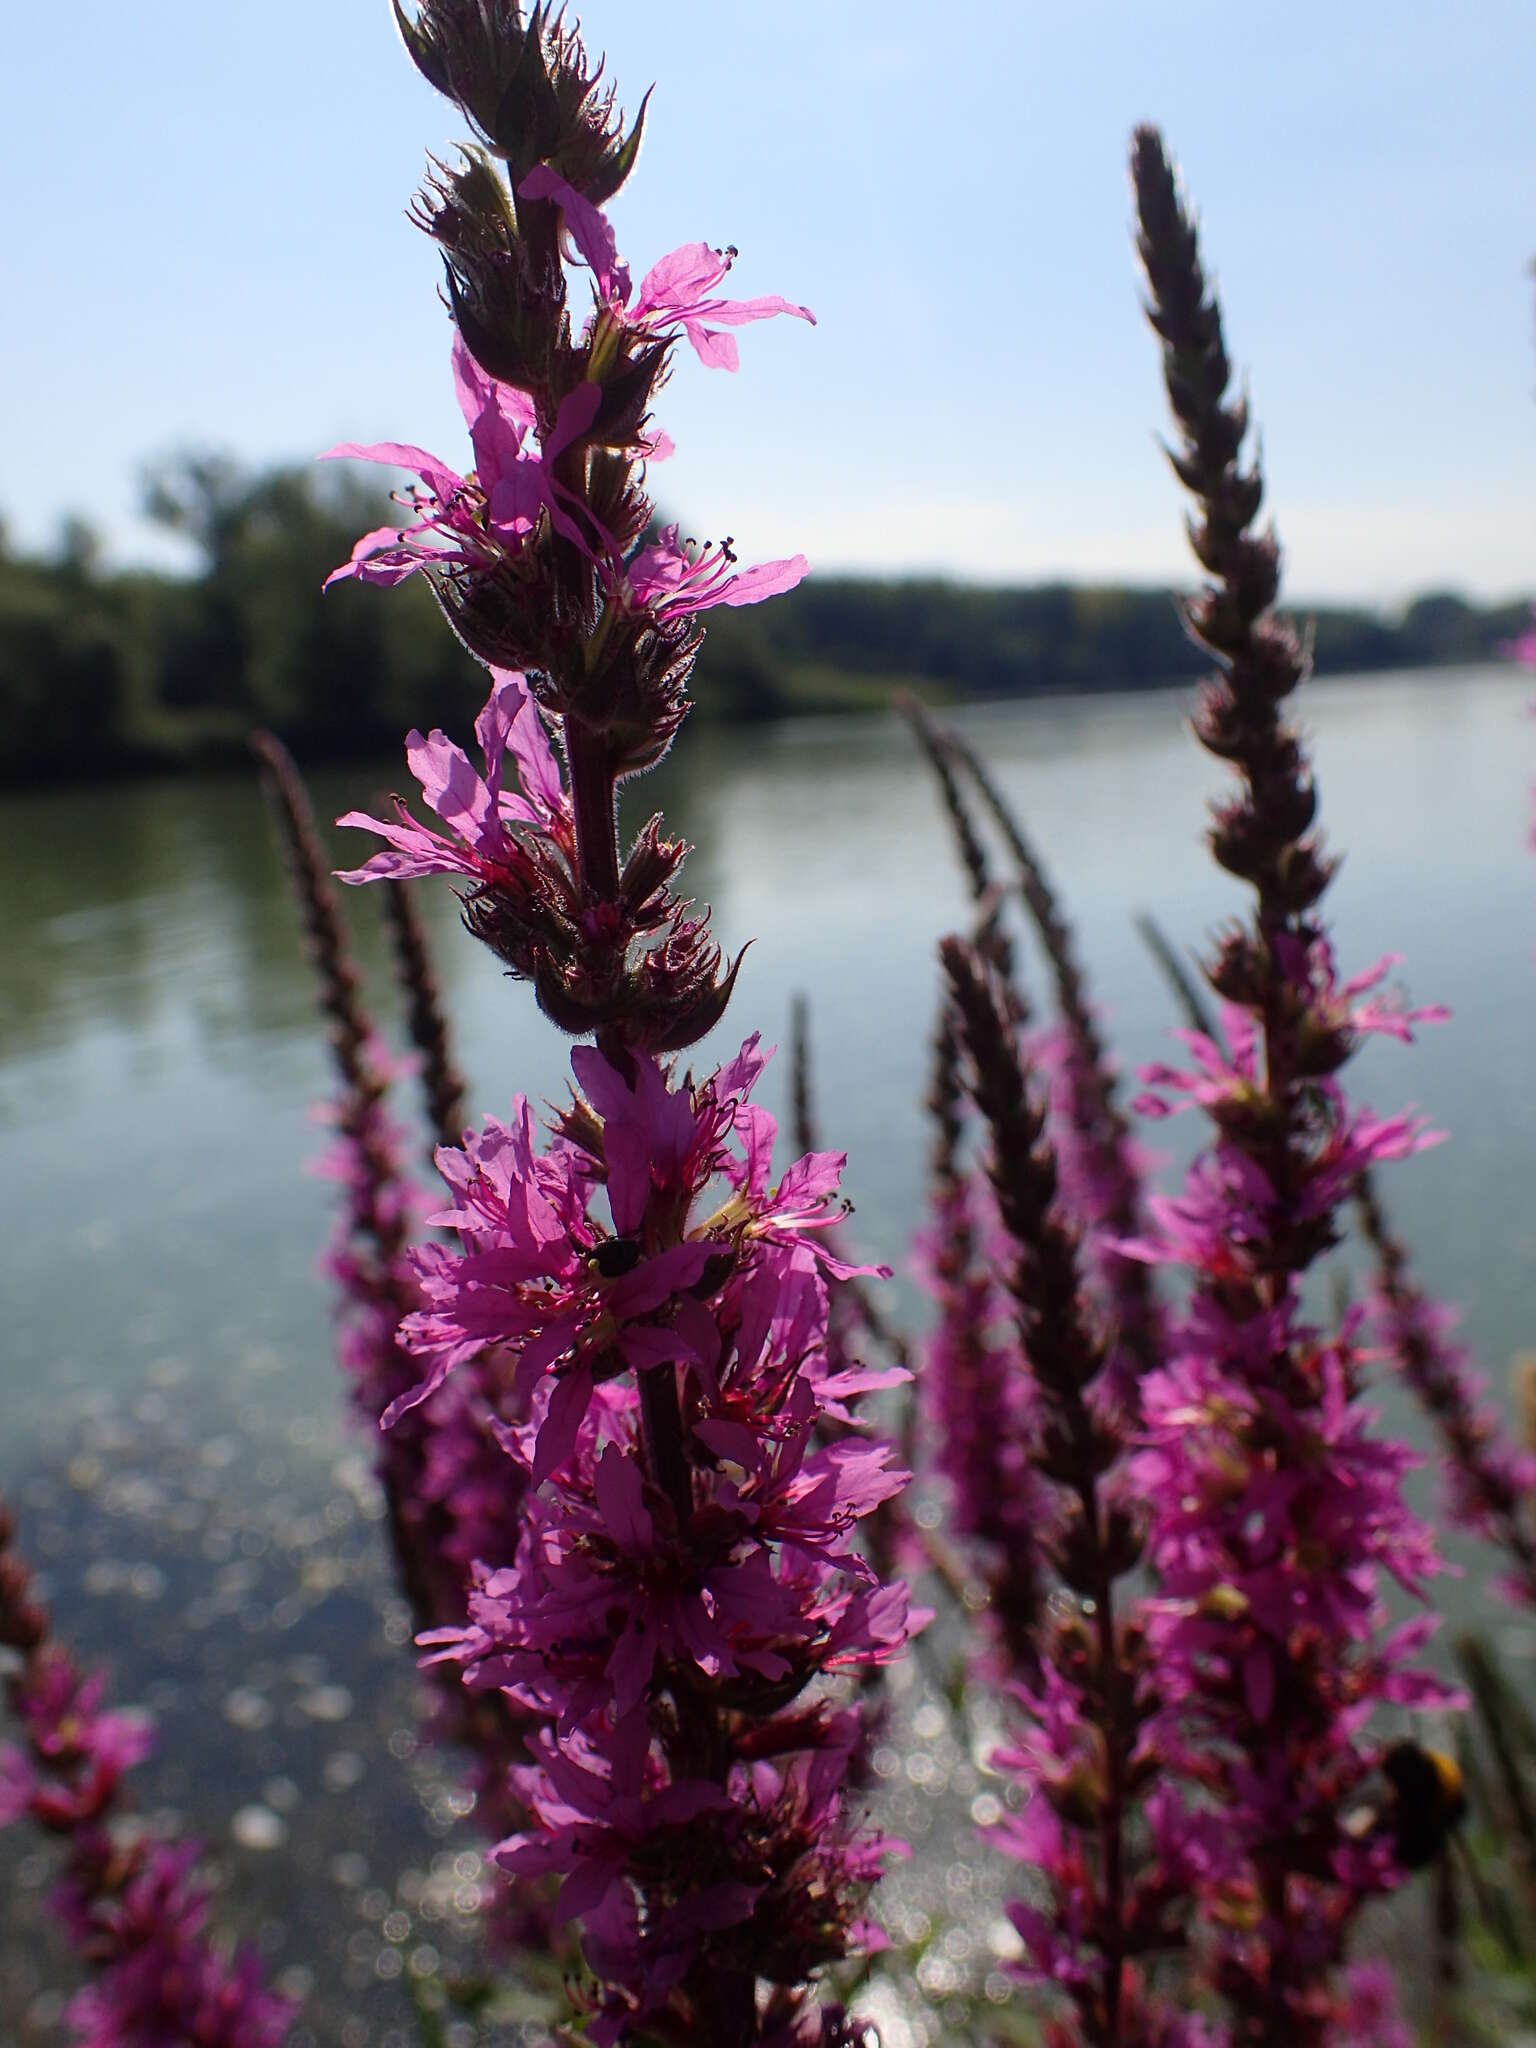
(686, 1580)
(132, 1905)
(628, 1307)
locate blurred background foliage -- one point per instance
(108, 671)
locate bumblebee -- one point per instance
(615, 1256)
(1425, 1803)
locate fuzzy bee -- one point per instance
(615, 1256)
(1419, 1805)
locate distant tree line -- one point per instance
(110, 672)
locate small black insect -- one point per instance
(615, 1256)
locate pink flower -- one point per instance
(594, 1807)
(562, 1295)
(674, 295)
(135, 1909)
(482, 812)
(473, 521)
(674, 578)
(163, 1981)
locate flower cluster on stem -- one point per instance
(1101, 1173)
(1274, 1509)
(134, 1907)
(1120, 1855)
(449, 1495)
(685, 1591)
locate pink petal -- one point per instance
(382, 540)
(741, 312)
(494, 725)
(518, 496)
(479, 393)
(588, 1884)
(578, 409)
(562, 1425)
(520, 729)
(630, 1665)
(714, 350)
(812, 1178)
(442, 481)
(768, 579)
(588, 227)
(417, 851)
(681, 279)
(403, 1403)
(618, 1489)
(453, 789)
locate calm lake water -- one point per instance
(159, 1054)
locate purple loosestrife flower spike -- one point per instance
(941, 756)
(686, 1579)
(1101, 1177)
(975, 1380)
(639, 1309)
(379, 1214)
(442, 1509)
(449, 1495)
(134, 1907)
(1274, 1509)
(441, 1080)
(1263, 836)
(1106, 1176)
(1086, 1756)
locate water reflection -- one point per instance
(158, 1045)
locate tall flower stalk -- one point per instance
(1032, 1386)
(1275, 1511)
(442, 1084)
(1099, 1163)
(685, 1587)
(1118, 1863)
(976, 1385)
(447, 1490)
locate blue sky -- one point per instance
(206, 247)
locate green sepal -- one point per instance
(610, 175)
(421, 51)
(526, 126)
